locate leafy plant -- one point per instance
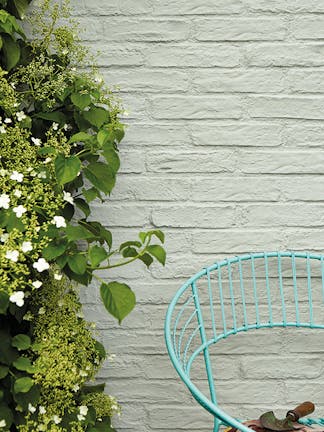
(59, 135)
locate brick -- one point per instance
(285, 54)
(184, 418)
(196, 107)
(291, 6)
(299, 189)
(239, 81)
(136, 107)
(286, 107)
(258, 367)
(154, 81)
(189, 55)
(150, 30)
(280, 162)
(118, 55)
(308, 134)
(197, 7)
(239, 29)
(286, 215)
(151, 189)
(236, 134)
(308, 27)
(186, 162)
(168, 134)
(121, 214)
(308, 239)
(306, 82)
(115, 7)
(132, 162)
(221, 216)
(236, 189)
(237, 241)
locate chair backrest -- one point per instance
(253, 291)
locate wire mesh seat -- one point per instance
(253, 291)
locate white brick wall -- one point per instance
(224, 153)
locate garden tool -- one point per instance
(269, 421)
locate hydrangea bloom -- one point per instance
(59, 222)
(41, 264)
(12, 255)
(20, 210)
(18, 298)
(26, 246)
(4, 201)
(17, 176)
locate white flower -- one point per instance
(57, 276)
(17, 176)
(4, 237)
(13, 85)
(17, 193)
(7, 120)
(59, 221)
(20, 210)
(83, 410)
(26, 246)
(65, 51)
(57, 419)
(83, 373)
(3, 172)
(47, 160)
(68, 197)
(42, 410)
(42, 175)
(37, 284)
(36, 141)
(3, 423)
(66, 126)
(12, 255)
(55, 126)
(41, 311)
(4, 201)
(80, 417)
(2, 129)
(41, 265)
(20, 115)
(31, 408)
(126, 113)
(76, 387)
(18, 298)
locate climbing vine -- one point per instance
(60, 130)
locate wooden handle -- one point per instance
(301, 410)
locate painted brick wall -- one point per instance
(224, 152)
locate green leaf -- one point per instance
(101, 351)
(77, 232)
(23, 385)
(130, 243)
(54, 116)
(111, 157)
(82, 205)
(129, 252)
(147, 259)
(54, 249)
(97, 388)
(21, 341)
(81, 100)
(18, 7)
(77, 263)
(7, 353)
(61, 261)
(4, 302)
(96, 116)
(90, 194)
(118, 299)
(80, 137)
(158, 233)
(142, 236)
(14, 223)
(67, 169)
(11, 52)
(24, 364)
(46, 150)
(6, 415)
(97, 254)
(30, 397)
(158, 252)
(3, 371)
(101, 176)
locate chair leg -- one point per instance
(217, 423)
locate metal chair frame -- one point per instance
(175, 337)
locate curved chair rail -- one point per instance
(252, 291)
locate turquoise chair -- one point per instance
(248, 292)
